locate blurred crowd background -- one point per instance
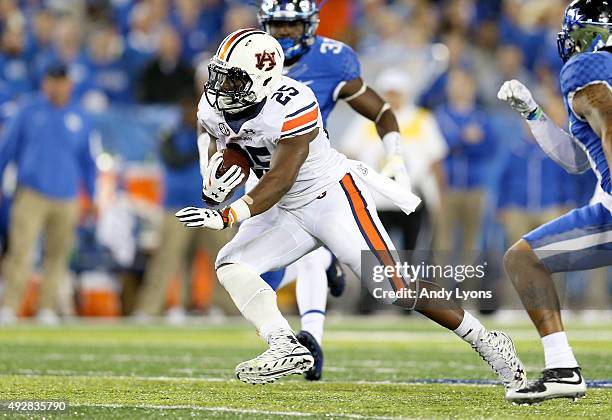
(137, 69)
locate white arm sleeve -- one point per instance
(203, 143)
(559, 145)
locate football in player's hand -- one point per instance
(232, 155)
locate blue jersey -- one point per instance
(582, 239)
(579, 72)
(323, 68)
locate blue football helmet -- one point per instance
(587, 26)
(305, 11)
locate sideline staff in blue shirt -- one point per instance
(49, 141)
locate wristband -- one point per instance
(534, 115)
(391, 141)
(237, 212)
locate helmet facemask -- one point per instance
(587, 27)
(587, 38)
(228, 89)
(272, 12)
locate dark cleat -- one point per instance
(335, 278)
(307, 340)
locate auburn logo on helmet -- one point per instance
(265, 58)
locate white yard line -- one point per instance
(237, 411)
(67, 374)
(73, 375)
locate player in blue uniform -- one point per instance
(582, 239)
(331, 69)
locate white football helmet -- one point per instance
(245, 69)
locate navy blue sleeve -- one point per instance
(582, 70)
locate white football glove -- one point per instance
(518, 97)
(194, 217)
(217, 189)
(395, 167)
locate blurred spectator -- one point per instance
(461, 56)
(144, 28)
(67, 49)
(98, 11)
(11, 16)
(14, 65)
(166, 76)
(42, 31)
(533, 189)
(458, 16)
(424, 151)
(183, 188)
(469, 137)
(508, 64)
(111, 65)
(198, 24)
(49, 140)
(236, 17)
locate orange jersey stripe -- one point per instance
(229, 42)
(369, 229)
(302, 120)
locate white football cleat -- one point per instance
(497, 349)
(285, 356)
(554, 383)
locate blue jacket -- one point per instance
(51, 147)
(182, 179)
(533, 182)
(467, 164)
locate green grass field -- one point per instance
(375, 368)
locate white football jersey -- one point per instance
(290, 111)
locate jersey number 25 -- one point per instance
(284, 94)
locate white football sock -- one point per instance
(557, 351)
(470, 328)
(313, 323)
(255, 300)
(311, 291)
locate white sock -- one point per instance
(255, 300)
(313, 323)
(557, 351)
(311, 291)
(470, 328)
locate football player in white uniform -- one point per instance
(306, 197)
